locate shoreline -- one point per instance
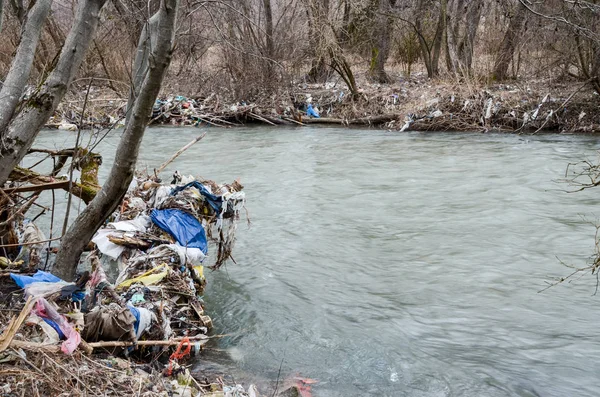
(414, 105)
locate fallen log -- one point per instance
(39, 187)
(260, 118)
(85, 191)
(370, 120)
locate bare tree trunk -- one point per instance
(452, 34)
(425, 49)
(269, 39)
(17, 76)
(343, 34)
(510, 42)
(381, 49)
(468, 42)
(439, 36)
(121, 174)
(19, 9)
(463, 22)
(596, 68)
(25, 126)
(140, 64)
(269, 28)
(1, 14)
(318, 12)
(431, 53)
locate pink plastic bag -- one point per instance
(46, 310)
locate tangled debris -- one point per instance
(409, 104)
(152, 313)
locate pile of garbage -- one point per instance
(159, 238)
(209, 111)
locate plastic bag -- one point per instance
(108, 248)
(186, 229)
(148, 278)
(215, 202)
(46, 311)
(312, 112)
(43, 289)
(39, 277)
(143, 319)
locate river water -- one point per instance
(392, 264)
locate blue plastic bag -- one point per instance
(215, 202)
(136, 314)
(312, 112)
(186, 229)
(39, 277)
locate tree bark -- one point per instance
(318, 12)
(510, 42)
(85, 190)
(431, 53)
(16, 79)
(121, 174)
(25, 126)
(461, 31)
(269, 28)
(19, 9)
(140, 64)
(381, 40)
(1, 14)
(270, 47)
(439, 36)
(468, 42)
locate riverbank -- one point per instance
(412, 104)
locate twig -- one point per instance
(103, 366)
(278, 374)
(563, 104)
(74, 159)
(293, 121)
(10, 332)
(170, 342)
(37, 188)
(52, 381)
(23, 208)
(178, 153)
(67, 371)
(30, 243)
(7, 197)
(256, 116)
(208, 122)
(51, 230)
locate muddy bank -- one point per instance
(415, 104)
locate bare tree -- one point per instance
(19, 9)
(158, 42)
(581, 23)
(510, 41)
(318, 12)
(24, 126)
(16, 80)
(269, 28)
(382, 34)
(1, 14)
(463, 21)
(430, 49)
